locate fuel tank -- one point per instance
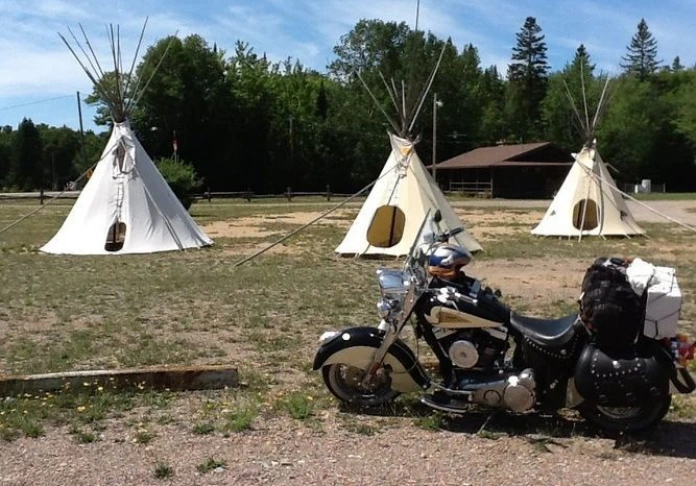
(476, 308)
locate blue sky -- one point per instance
(39, 78)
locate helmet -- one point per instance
(446, 261)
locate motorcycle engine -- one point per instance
(474, 348)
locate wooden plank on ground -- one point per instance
(165, 378)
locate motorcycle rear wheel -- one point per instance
(627, 419)
(343, 381)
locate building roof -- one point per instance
(519, 155)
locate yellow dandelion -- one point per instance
(81, 408)
(101, 388)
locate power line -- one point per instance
(35, 102)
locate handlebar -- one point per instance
(444, 237)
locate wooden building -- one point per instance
(522, 171)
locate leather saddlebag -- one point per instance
(620, 380)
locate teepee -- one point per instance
(126, 206)
(588, 203)
(390, 217)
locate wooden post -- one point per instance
(328, 192)
(159, 378)
(41, 196)
(210, 199)
(289, 194)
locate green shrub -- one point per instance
(181, 177)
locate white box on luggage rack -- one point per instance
(663, 304)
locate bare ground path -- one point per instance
(281, 452)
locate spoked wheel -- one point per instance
(344, 381)
(627, 419)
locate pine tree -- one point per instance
(528, 82)
(25, 166)
(529, 55)
(677, 65)
(641, 59)
(582, 57)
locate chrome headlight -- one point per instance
(387, 307)
(392, 283)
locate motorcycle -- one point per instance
(489, 355)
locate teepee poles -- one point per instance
(424, 94)
(384, 112)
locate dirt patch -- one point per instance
(281, 249)
(341, 218)
(492, 232)
(241, 228)
(253, 227)
(534, 283)
(483, 217)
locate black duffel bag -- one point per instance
(609, 307)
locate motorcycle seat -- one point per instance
(554, 333)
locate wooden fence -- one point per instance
(289, 194)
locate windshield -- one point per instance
(425, 236)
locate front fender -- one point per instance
(356, 346)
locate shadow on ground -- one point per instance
(670, 438)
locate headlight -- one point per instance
(388, 306)
(393, 283)
(383, 309)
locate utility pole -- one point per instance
(79, 113)
(436, 104)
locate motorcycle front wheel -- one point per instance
(344, 382)
(627, 419)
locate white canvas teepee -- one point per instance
(588, 203)
(127, 206)
(390, 218)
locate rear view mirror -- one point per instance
(437, 217)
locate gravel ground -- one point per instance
(285, 452)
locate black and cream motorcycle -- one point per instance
(489, 355)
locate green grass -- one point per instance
(143, 436)
(665, 196)
(240, 420)
(210, 465)
(204, 428)
(81, 436)
(298, 405)
(195, 307)
(163, 470)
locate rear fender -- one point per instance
(356, 347)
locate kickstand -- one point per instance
(488, 419)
